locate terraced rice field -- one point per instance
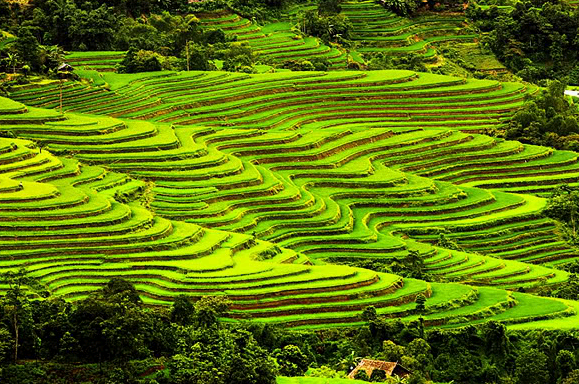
(379, 30)
(275, 42)
(254, 184)
(103, 61)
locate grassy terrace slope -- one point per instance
(377, 29)
(275, 41)
(244, 205)
(310, 100)
(75, 239)
(345, 178)
(104, 61)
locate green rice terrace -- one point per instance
(376, 30)
(258, 186)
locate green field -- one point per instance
(251, 185)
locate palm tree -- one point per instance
(54, 55)
(12, 61)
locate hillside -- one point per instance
(250, 195)
(289, 192)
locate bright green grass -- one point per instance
(330, 187)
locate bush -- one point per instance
(140, 61)
(401, 7)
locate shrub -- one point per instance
(140, 61)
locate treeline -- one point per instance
(112, 337)
(156, 40)
(548, 118)
(158, 35)
(535, 39)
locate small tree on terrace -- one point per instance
(12, 61)
(420, 303)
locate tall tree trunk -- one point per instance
(15, 335)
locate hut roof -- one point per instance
(369, 366)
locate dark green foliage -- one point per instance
(16, 312)
(565, 363)
(445, 242)
(220, 357)
(255, 9)
(420, 303)
(140, 61)
(329, 7)
(402, 7)
(519, 39)
(568, 290)
(27, 48)
(291, 360)
(531, 367)
(369, 314)
(112, 327)
(183, 311)
(199, 58)
(209, 309)
(333, 28)
(573, 378)
(564, 206)
(121, 290)
(548, 119)
(154, 41)
(411, 62)
(361, 375)
(237, 58)
(411, 265)
(378, 375)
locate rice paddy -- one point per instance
(253, 186)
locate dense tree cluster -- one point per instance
(535, 39)
(334, 28)
(155, 41)
(548, 119)
(112, 337)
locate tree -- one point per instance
(568, 290)
(12, 61)
(378, 375)
(16, 302)
(369, 314)
(563, 205)
(531, 367)
(183, 310)
(140, 61)
(573, 378)
(220, 356)
(5, 344)
(420, 303)
(495, 340)
(121, 290)
(291, 360)
(27, 48)
(329, 7)
(565, 363)
(209, 309)
(361, 375)
(447, 243)
(411, 265)
(420, 352)
(401, 7)
(391, 351)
